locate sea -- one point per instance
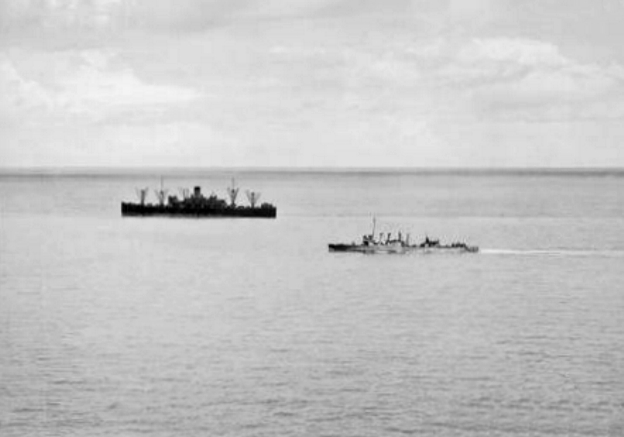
(113, 326)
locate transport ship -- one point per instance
(195, 204)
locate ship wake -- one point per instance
(607, 253)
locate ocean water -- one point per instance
(114, 326)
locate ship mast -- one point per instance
(253, 197)
(374, 224)
(184, 193)
(161, 194)
(233, 192)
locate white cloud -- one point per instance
(87, 84)
(95, 85)
(518, 77)
(19, 93)
(357, 79)
(482, 78)
(512, 50)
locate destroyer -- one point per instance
(195, 204)
(387, 244)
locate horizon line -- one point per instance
(128, 170)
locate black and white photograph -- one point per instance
(311, 218)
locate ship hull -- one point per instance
(389, 249)
(137, 210)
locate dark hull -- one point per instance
(136, 210)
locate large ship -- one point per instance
(195, 204)
(400, 244)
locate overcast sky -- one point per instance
(355, 83)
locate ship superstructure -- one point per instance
(196, 204)
(386, 243)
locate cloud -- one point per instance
(55, 14)
(516, 77)
(183, 16)
(88, 85)
(374, 82)
(479, 78)
(19, 93)
(473, 12)
(117, 15)
(512, 50)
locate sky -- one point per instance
(311, 83)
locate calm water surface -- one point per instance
(114, 326)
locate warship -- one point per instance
(195, 204)
(386, 244)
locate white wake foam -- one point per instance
(555, 252)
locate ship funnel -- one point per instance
(232, 192)
(253, 197)
(142, 195)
